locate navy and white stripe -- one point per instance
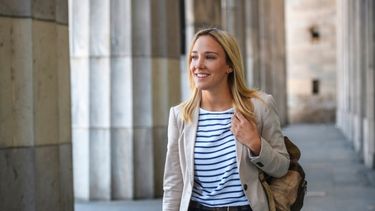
(216, 177)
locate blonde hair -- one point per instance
(236, 79)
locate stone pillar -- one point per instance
(201, 14)
(233, 20)
(79, 58)
(90, 56)
(131, 117)
(165, 69)
(35, 132)
(339, 70)
(252, 58)
(272, 52)
(369, 122)
(99, 101)
(122, 164)
(278, 57)
(357, 80)
(198, 14)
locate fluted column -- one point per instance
(132, 100)
(99, 101)
(201, 14)
(252, 58)
(165, 68)
(234, 21)
(278, 57)
(369, 124)
(198, 14)
(272, 64)
(122, 171)
(79, 58)
(35, 133)
(91, 98)
(357, 79)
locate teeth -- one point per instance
(202, 75)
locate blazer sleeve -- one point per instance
(173, 183)
(273, 158)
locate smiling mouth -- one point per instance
(201, 75)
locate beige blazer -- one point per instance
(179, 167)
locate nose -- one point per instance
(198, 63)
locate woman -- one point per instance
(220, 138)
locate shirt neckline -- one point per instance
(216, 112)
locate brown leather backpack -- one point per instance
(288, 192)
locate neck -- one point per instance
(216, 101)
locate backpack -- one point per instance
(288, 192)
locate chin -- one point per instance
(201, 87)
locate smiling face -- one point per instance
(208, 65)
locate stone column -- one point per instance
(357, 80)
(233, 20)
(198, 14)
(165, 69)
(346, 67)
(201, 14)
(278, 57)
(91, 98)
(79, 58)
(99, 98)
(35, 132)
(339, 70)
(272, 53)
(122, 164)
(131, 116)
(252, 58)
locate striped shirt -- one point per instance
(216, 176)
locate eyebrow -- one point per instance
(206, 52)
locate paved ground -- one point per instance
(337, 180)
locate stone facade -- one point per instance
(35, 120)
(355, 60)
(311, 53)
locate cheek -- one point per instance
(191, 67)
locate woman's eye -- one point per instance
(194, 57)
(210, 57)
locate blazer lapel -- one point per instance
(239, 148)
(190, 136)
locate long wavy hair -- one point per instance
(236, 79)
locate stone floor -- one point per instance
(337, 180)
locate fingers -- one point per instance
(240, 116)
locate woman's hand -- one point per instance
(246, 132)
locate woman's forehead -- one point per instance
(207, 43)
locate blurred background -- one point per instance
(86, 87)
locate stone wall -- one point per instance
(311, 60)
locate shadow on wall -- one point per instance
(313, 109)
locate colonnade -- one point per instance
(355, 75)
